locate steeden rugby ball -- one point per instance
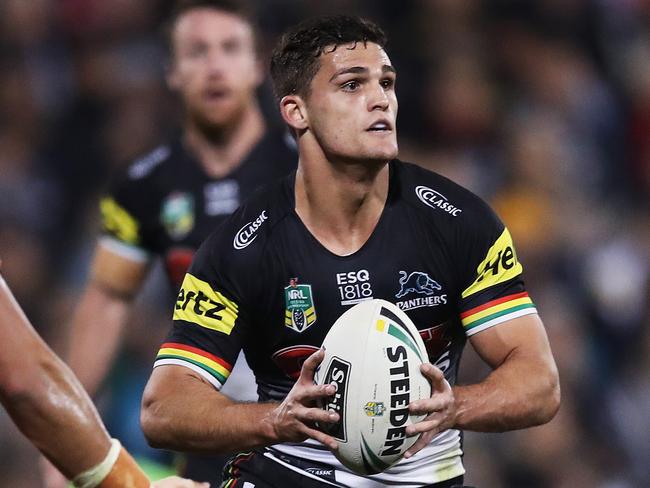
(373, 353)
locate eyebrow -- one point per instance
(387, 68)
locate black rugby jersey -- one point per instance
(263, 283)
(165, 203)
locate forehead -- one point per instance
(368, 55)
(210, 24)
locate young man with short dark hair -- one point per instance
(411, 236)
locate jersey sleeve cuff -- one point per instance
(496, 312)
(212, 368)
(122, 249)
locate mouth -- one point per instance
(216, 94)
(380, 126)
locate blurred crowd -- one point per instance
(541, 107)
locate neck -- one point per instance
(341, 203)
(220, 150)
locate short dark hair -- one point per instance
(240, 8)
(295, 60)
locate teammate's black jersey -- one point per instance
(263, 283)
(167, 205)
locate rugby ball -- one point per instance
(373, 354)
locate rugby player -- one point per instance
(170, 200)
(51, 408)
(352, 223)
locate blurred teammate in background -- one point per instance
(170, 200)
(50, 407)
(273, 281)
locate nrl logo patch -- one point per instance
(300, 312)
(177, 214)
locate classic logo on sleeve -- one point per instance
(200, 304)
(433, 199)
(499, 265)
(119, 222)
(247, 233)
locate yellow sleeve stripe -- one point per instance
(497, 311)
(498, 308)
(213, 367)
(200, 304)
(117, 221)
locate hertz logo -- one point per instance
(200, 304)
(500, 265)
(505, 259)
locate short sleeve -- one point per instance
(124, 219)
(493, 289)
(209, 321)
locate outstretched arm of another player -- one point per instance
(181, 411)
(523, 390)
(52, 409)
(100, 317)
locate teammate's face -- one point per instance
(214, 67)
(352, 107)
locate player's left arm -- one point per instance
(523, 389)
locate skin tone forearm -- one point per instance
(43, 397)
(506, 399)
(522, 390)
(95, 335)
(101, 315)
(219, 425)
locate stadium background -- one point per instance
(542, 108)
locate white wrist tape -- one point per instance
(95, 475)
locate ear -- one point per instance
(294, 112)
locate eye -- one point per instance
(351, 85)
(197, 51)
(387, 83)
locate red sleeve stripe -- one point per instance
(487, 305)
(200, 352)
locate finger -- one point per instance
(314, 415)
(426, 406)
(311, 392)
(422, 442)
(437, 377)
(309, 366)
(430, 424)
(327, 440)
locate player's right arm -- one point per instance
(182, 411)
(50, 407)
(101, 314)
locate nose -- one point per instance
(378, 99)
(216, 65)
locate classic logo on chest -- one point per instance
(300, 312)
